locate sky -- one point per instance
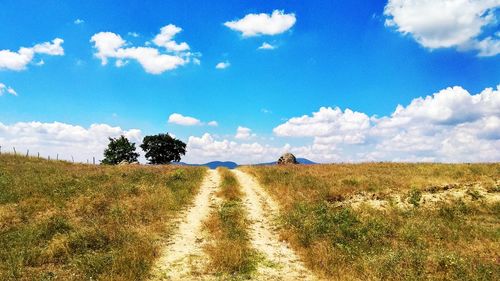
(331, 81)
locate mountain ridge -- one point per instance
(232, 165)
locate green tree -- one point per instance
(119, 149)
(163, 149)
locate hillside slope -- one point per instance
(78, 222)
(389, 221)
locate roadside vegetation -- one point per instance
(455, 238)
(230, 252)
(79, 222)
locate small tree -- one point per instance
(119, 149)
(163, 149)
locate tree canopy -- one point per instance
(163, 149)
(119, 150)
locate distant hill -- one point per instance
(300, 160)
(214, 164)
(232, 165)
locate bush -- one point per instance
(414, 197)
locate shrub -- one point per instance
(414, 197)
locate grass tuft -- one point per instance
(230, 253)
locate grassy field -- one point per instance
(62, 221)
(230, 252)
(452, 239)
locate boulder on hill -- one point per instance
(287, 158)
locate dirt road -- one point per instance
(184, 258)
(281, 261)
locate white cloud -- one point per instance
(451, 125)
(60, 138)
(179, 119)
(110, 45)
(52, 49)
(243, 133)
(266, 46)
(165, 39)
(263, 24)
(133, 34)
(446, 23)
(223, 65)
(78, 21)
(332, 123)
(19, 60)
(206, 148)
(6, 90)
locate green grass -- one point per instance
(73, 222)
(230, 253)
(454, 240)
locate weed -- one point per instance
(414, 197)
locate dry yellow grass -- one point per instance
(73, 222)
(230, 252)
(456, 239)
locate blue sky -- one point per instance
(346, 54)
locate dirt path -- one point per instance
(184, 258)
(281, 263)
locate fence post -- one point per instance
(48, 158)
(93, 160)
(0, 149)
(38, 155)
(72, 159)
(15, 153)
(27, 153)
(57, 157)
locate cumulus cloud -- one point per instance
(333, 123)
(179, 119)
(266, 46)
(6, 90)
(18, 61)
(166, 36)
(60, 138)
(446, 23)
(109, 45)
(243, 133)
(208, 148)
(223, 65)
(78, 21)
(263, 24)
(451, 125)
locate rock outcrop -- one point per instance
(287, 158)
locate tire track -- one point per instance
(281, 261)
(184, 258)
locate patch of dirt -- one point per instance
(281, 263)
(430, 197)
(183, 258)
